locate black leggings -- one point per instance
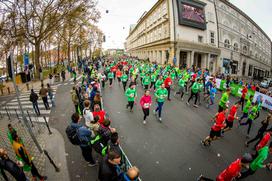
(193, 94)
(110, 81)
(35, 172)
(130, 104)
(152, 84)
(249, 123)
(258, 137)
(124, 85)
(146, 112)
(169, 92)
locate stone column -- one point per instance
(192, 58)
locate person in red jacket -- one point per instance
(264, 141)
(168, 82)
(145, 103)
(215, 132)
(233, 170)
(100, 113)
(119, 75)
(231, 117)
(244, 92)
(114, 69)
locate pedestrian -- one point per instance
(159, 82)
(63, 75)
(264, 140)
(145, 103)
(107, 168)
(85, 136)
(131, 95)
(153, 80)
(257, 163)
(224, 101)
(51, 95)
(261, 131)
(232, 171)
(131, 174)
(251, 117)
(75, 99)
(50, 78)
(246, 109)
(100, 113)
(34, 99)
(23, 156)
(43, 93)
(103, 79)
(168, 83)
(119, 75)
(124, 79)
(10, 166)
(215, 132)
(114, 143)
(212, 92)
(160, 95)
(194, 92)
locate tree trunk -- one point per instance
(69, 51)
(37, 58)
(58, 53)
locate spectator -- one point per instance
(105, 131)
(84, 135)
(132, 174)
(100, 113)
(11, 167)
(75, 98)
(87, 114)
(107, 169)
(114, 143)
(51, 95)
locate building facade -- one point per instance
(210, 34)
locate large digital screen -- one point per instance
(191, 13)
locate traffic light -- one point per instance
(9, 69)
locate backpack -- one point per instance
(72, 134)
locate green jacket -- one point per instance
(224, 99)
(253, 112)
(131, 94)
(124, 78)
(146, 80)
(158, 83)
(262, 156)
(161, 94)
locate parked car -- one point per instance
(266, 83)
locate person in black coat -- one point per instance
(34, 99)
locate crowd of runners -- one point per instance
(162, 82)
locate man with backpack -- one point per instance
(80, 135)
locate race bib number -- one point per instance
(146, 105)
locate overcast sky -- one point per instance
(122, 13)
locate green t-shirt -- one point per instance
(153, 78)
(110, 75)
(247, 106)
(124, 78)
(262, 156)
(161, 94)
(195, 87)
(158, 83)
(181, 82)
(146, 80)
(253, 112)
(131, 94)
(224, 99)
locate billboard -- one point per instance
(191, 13)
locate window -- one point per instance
(227, 43)
(210, 17)
(200, 39)
(244, 49)
(250, 70)
(235, 47)
(212, 37)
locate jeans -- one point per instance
(159, 108)
(45, 102)
(36, 108)
(87, 154)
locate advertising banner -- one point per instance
(267, 100)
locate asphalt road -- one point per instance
(171, 150)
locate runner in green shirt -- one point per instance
(153, 80)
(258, 162)
(251, 117)
(181, 85)
(110, 77)
(194, 92)
(146, 81)
(131, 95)
(224, 100)
(160, 94)
(124, 79)
(246, 108)
(158, 83)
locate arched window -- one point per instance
(227, 43)
(256, 55)
(235, 47)
(244, 49)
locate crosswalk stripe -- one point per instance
(40, 102)
(36, 119)
(65, 84)
(22, 99)
(12, 112)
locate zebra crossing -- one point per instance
(11, 108)
(69, 82)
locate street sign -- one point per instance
(26, 59)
